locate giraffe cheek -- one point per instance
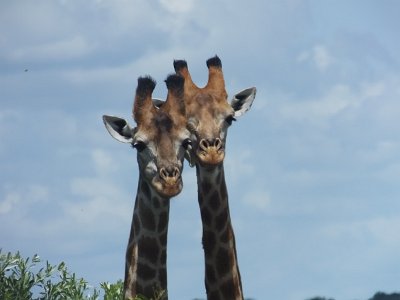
(150, 171)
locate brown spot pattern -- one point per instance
(147, 217)
(149, 249)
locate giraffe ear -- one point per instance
(190, 158)
(243, 100)
(118, 128)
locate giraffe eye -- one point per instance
(186, 143)
(139, 146)
(230, 119)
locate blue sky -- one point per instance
(312, 170)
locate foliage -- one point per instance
(113, 291)
(377, 296)
(158, 295)
(383, 296)
(19, 281)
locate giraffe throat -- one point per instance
(146, 255)
(222, 272)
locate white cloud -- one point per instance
(257, 199)
(126, 73)
(237, 164)
(336, 100)
(375, 89)
(8, 118)
(158, 61)
(100, 197)
(178, 6)
(10, 201)
(303, 56)
(104, 163)
(124, 16)
(381, 231)
(64, 49)
(319, 55)
(322, 58)
(385, 230)
(390, 172)
(38, 193)
(100, 200)
(92, 187)
(20, 199)
(381, 152)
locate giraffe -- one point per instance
(209, 116)
(161, 140)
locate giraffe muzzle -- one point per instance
(211, 151)
(168, 183)
(170, 175)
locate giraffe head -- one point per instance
(208, 112)
(160, 137)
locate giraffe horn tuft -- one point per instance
(175, 85)
(145, 86)
(180, 64)
(181, 68)
(214, 62)
(216, 83)
(143, 102)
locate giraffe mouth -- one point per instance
(211, 155)
(167, 187)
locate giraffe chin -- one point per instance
(167, 189)
(210, 158)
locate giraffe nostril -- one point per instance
(163, 173)
(207, 143)
(169, 173)
(177, 172)
(218, 143)
(204, 144)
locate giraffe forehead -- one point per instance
(163, 123)
(163, 142)
(206, 107)
(161, 126)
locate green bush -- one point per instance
(19, 281)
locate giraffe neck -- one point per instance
(146, 255)
(222, 277)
